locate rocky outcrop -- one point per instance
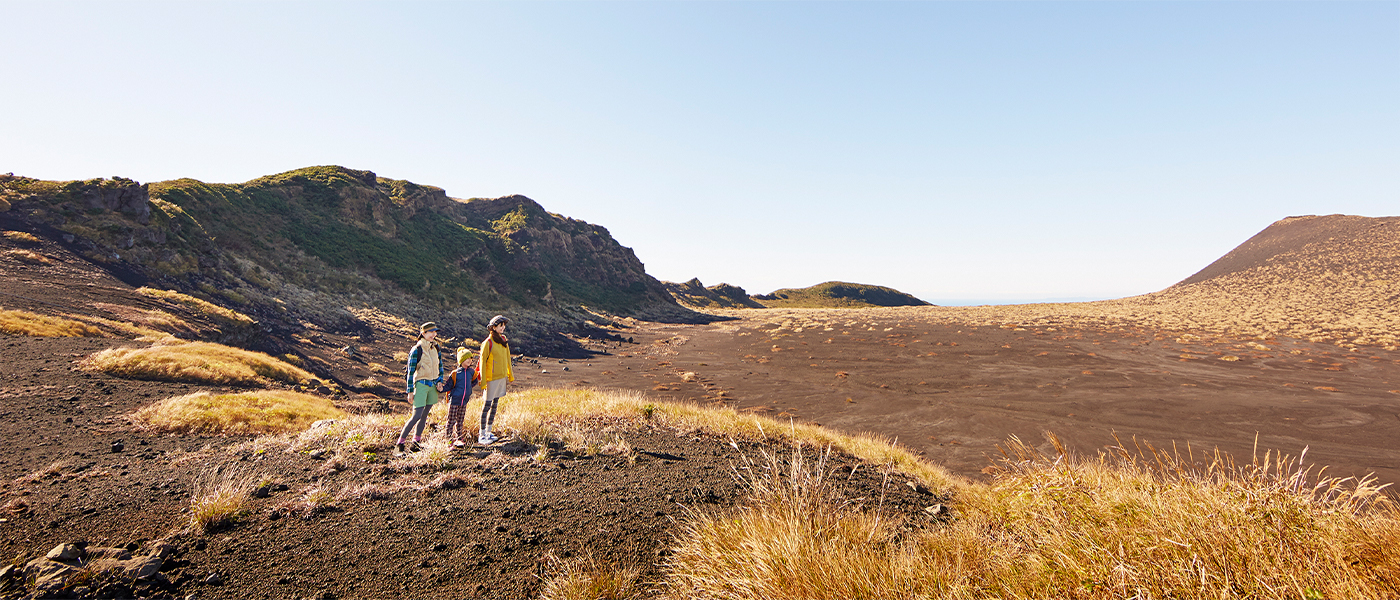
(76, 567)
(695, 294)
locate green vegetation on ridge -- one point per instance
(838, 294)
(334, 230)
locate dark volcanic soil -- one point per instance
(493, 537)
(955, 391)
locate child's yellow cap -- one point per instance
(463, 354)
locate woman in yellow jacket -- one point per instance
(495, 372)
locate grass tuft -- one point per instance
(266, 411)
(588, 578)
(28, 256)
(195, 362)
(21, 237)
(20, 322)
(220, 498)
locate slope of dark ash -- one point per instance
(495, 536)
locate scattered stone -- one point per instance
(214, 579)
(936, 510)
(118, 446)
(65, 552)
(318, 454)
(917, 487)
(163, 550)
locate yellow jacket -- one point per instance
(495, 361)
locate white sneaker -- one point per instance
(486, 438)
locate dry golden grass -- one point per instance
(219, 498)
(20, 322)
(265, 411)
(588, 578)
(21, 237)
(542, 414)
(195, 362)
(210, 309)
(27, 256)
(308, 502)
(1146, 524)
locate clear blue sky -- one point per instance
(958, 151)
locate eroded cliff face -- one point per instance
(313, 244)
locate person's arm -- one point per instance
(442, 369)
(484, 370)
(413, 357)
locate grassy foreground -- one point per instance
(1132, 523)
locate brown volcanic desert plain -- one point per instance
(1290, 342)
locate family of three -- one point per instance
(428, 377)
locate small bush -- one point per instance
(19, 322)
(195, 362)
(265, 411)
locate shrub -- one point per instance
(195, 362)
(265, 411)
(19, 322)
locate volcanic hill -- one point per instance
(343, 258)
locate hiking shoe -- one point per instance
(399, 447)
(486, 438)
(414, 447)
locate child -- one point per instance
(495, 372)
(424, 382)
(459, 391)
